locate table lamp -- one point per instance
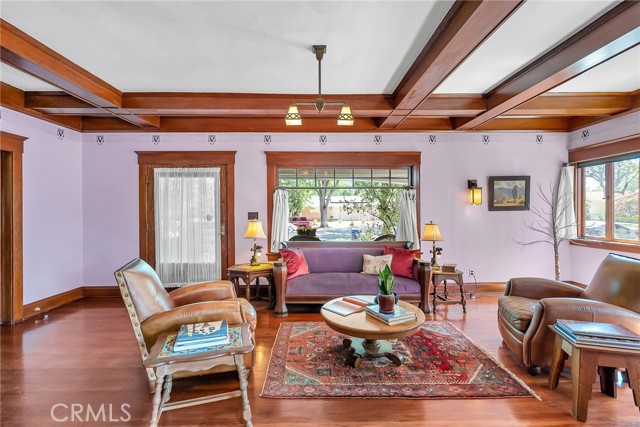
(254, 230)
(431, 233)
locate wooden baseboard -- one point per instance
(101, 291)
(485, 287)
(54, 301)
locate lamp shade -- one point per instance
(475, 196)
(345, 118)
(431, 232)
(293, 117)
(254, 230)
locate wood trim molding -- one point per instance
(101, 292)
(616, 147)
(148, 160)
(44, 305)
(11, 286)
(606, 245)
(347, 159)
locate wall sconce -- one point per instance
(475, 192)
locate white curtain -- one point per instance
(187, 217)
(280, 222)
(565, 206)
(407, 228)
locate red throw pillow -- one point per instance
(296, 262)
(402, 262)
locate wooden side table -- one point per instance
(443, 298)
(584, 360)
(166, 363)
(248, 274)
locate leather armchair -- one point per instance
(152, 310)
(531, 304)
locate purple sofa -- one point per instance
(335, 270)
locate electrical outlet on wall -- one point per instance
(472, 272)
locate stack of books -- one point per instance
(400, 315)
(202, 335)
(598, 334)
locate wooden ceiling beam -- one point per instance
(466, 26)
(14, 99)
(28, 55)
(574, 104)
(613, 33)
(559, 124)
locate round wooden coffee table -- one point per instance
(371, 335)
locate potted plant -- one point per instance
(386, 296)
(306, 231)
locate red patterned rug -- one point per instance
(440, 362)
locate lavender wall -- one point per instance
(474, 237)
(52, 211)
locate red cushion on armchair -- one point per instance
(402, 262)
(296, 262)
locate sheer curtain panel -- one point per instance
(565, 206)
(187, 218)
(280, 220)
(407, 228)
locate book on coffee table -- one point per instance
(399, 315)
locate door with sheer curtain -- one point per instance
(187, 218)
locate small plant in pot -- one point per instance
(386, 297)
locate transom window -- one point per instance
(343, 178)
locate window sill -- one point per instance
(607, 245)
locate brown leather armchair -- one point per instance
(530, 304)
(152, 310)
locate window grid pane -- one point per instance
(625, 200)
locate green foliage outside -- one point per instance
(382, 205)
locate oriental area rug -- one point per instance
(440, 362)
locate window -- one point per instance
(610, 199)
(342, 195)
(344, 203)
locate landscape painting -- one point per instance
(509, 193)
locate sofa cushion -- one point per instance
(340, 259)
(340, 284)
(402, 262)
(375, 264)
(296, 262)
(517, 311)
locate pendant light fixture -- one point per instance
(345, 118)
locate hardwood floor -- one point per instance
(85, 354)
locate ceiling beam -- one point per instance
(465, 27)
(613, 33)
(28, 55)
(559, 124)
(574, 104)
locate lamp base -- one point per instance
(434, 264)
(254, 261)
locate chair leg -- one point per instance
(151, 375)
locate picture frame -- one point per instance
(509, 193)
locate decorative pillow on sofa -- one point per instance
(296, 262)
(374, 264)
(402, 263)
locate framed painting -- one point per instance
(509, 193)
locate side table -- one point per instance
(165, 363)
(248, 274)
(584, 361)
(443, 298)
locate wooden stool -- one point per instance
(443, 298)
(166, 363)
(584, 361)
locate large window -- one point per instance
(343, 195)
(610, 199)
(344, 203)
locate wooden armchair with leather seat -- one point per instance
(152, 310)
(531, 304)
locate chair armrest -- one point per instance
(538, 288)
(201, 292)
(280, 281)
(537, 339)
(424, 279)
(171, 320)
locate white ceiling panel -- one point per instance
(23, 81)
(619, 74)
(235, 46)
(534, 28)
